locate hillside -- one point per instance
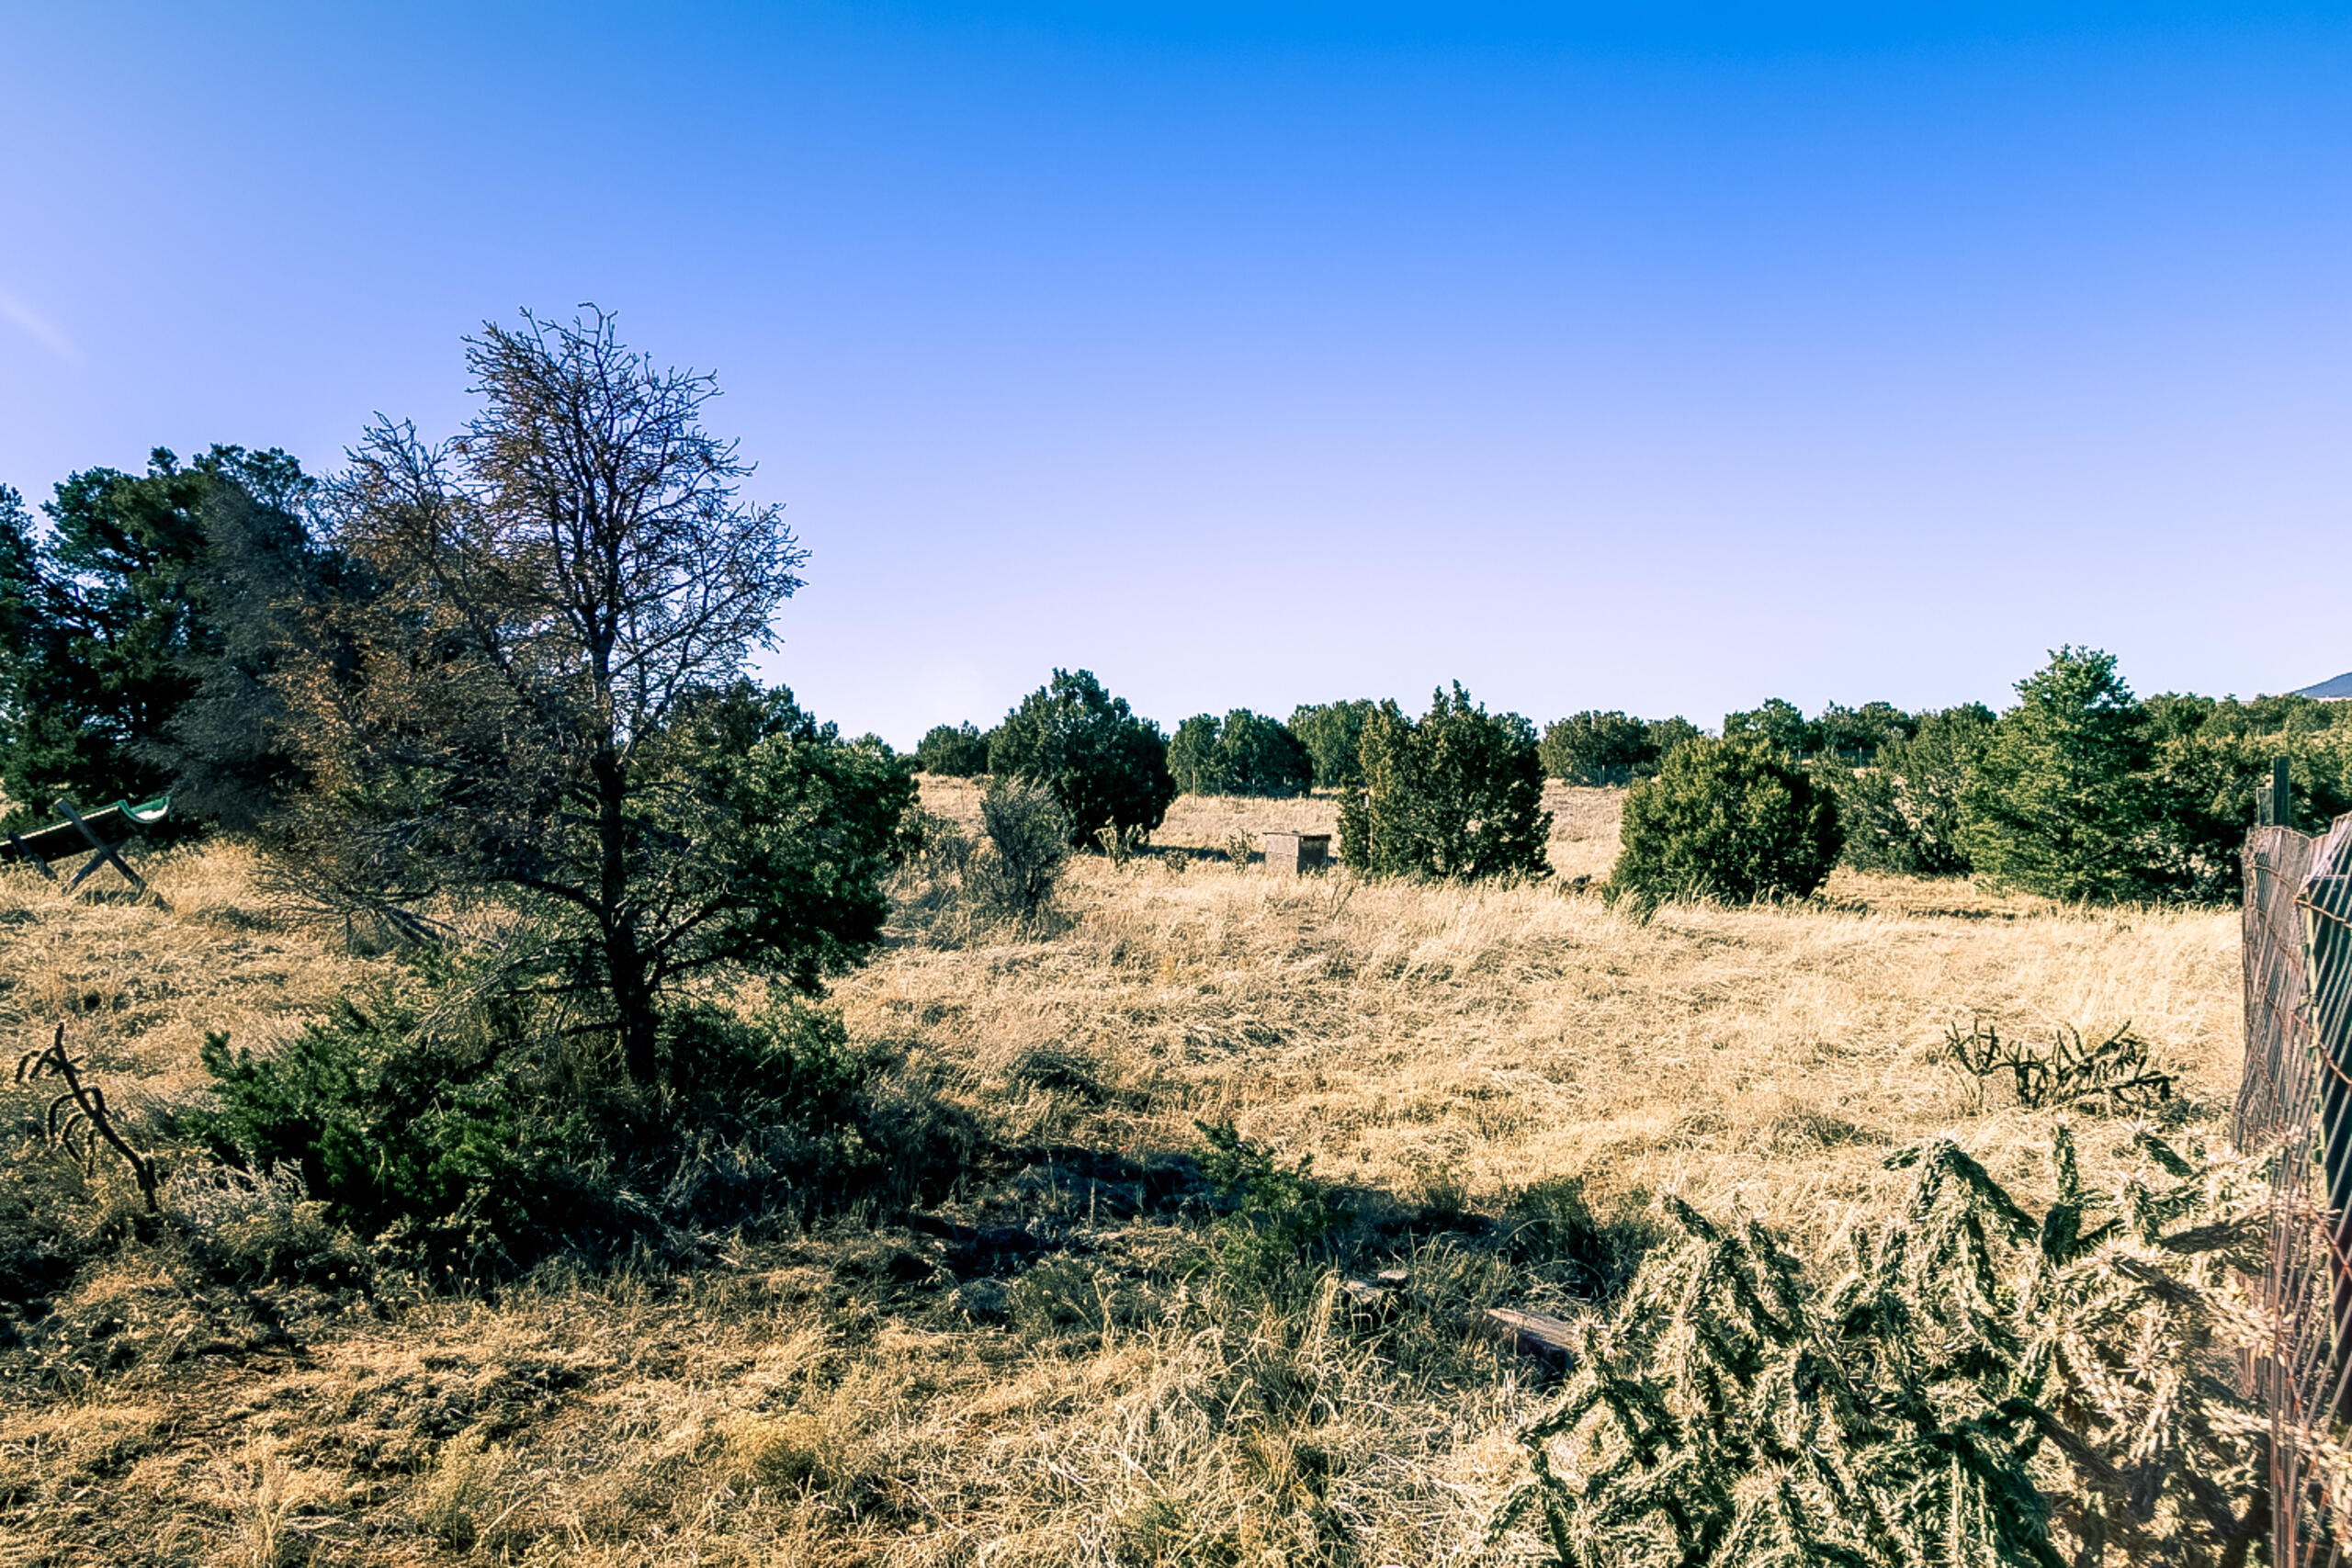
(1035, 1371)
(2340, 687)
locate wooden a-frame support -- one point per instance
(107, 854)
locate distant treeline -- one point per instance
(144, 641)
(2079, 789)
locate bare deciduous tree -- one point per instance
(556, 591)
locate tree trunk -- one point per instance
(625, 961)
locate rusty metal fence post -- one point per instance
(2297, 1097)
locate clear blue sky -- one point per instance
(1649, 356)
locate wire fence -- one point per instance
(2297, 1095)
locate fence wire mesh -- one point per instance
(2297, 1097)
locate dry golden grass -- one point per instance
(843, 1398)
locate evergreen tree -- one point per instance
(113, 619)
(1859, 735)
(548, 700)
(1332, 732)
(2058, 805)
(1102, 762)
(1665, 736)
(1457, 794)
(1243, 754)
(1596, 747)
(1779, 722)
(1903, 813)
(1732, 820)
(952, 750)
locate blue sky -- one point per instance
(1655, 357)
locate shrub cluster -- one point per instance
(1849, 734)
(1903, 813)
(456, 1116)
(2079, 790)
(1597, 748)
(953, 750)
(1457, 792)
(1732, 820)
(1242, 753)
(2082, 791)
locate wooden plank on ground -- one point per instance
(1535, 1334)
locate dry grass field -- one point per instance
(1046, 1374)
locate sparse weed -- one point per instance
(457, 1501)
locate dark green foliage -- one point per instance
(1732, 819)
(791, 1067)
(110, 623)
(1779, 723)
(2201, 790)
(1104, 764)
(789, 834)
(1595, 748)
(1666, 735)
(1029, 836)
(2085, 793)
(455, 1114)
(953, 750)
(2172, 714)
(264, 584)
(399, 1107)
(2115, 1073)
(1978, 1389)
(1276, 1219)
(1860, 735)
(1332, 732)
(2059, 804)
(1903, 813)
(1456, 793)
(1243, 754)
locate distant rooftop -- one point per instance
(2340, 687)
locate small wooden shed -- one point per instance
(1289, 854)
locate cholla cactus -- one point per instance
(1981, 1387)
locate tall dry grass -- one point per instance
(856, 1395)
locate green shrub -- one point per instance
(1332, 732)
(1729, 819)
(406, 1105)
(457, 1118)
(1597, 748)
(2059, 803)
(1275, 1221)
(1903, 813)
(953, 750)
(1243, 754)
(1104, 764)
(1667, 735)
(1457, 794)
